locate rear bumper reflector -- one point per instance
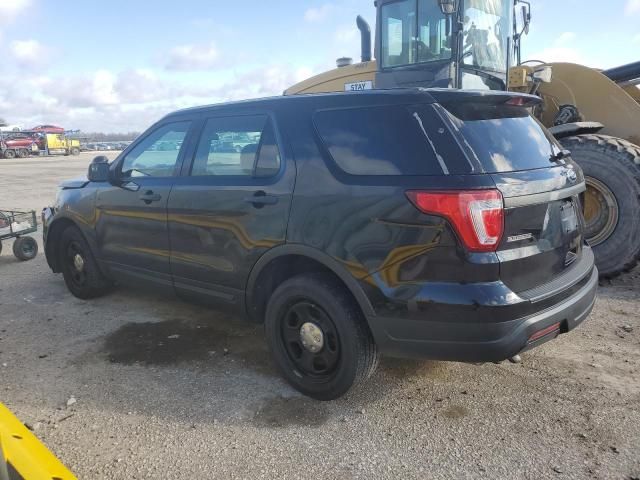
(544, 332)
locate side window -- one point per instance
(157, 154)
(389, 140)
(237, 146)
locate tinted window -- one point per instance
(156, 155)
(238, 146)
(502, 137)
(389, 140)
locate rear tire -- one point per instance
(25, 248)
(612, 202)
(347, 353)
(79, 267)
(9, 154)
(75, 151)
(23, 153)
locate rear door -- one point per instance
(543, 229)
(230, 206)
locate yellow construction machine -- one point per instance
(476, 44)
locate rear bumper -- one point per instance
(488, 341)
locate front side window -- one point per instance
(237, 146)
(414, 32)
(486, 32)
(157, 154)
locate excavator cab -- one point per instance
(443, 43)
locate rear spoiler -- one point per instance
(23, 456)
(491, 97)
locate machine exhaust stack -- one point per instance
(365, 38)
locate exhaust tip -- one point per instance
(365, 39)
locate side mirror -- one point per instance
(99, 170)
(526, 18)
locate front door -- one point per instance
(229, 207)
(131, 223)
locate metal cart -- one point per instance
(16, 225)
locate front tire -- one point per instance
(79, 267)
(25, 248)
(612, 202)
(318, 336)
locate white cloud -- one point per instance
(346, 35)
(28, 53)
(318, 14)
(633, 6)
(192, 57)
(10, 9)
(565, 38)
(131, 99)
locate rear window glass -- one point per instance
(503, 138)
(389, 140)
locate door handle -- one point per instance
(260, 199)
(149, 197)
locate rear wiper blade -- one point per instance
(561, 155)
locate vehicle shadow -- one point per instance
(215, 366)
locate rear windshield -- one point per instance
(390, 140)
(503, 138)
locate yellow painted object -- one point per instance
(337, 80)
(60, 144)
(597, 97)
(23, 453)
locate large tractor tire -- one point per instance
(612, 201)
(9, 153)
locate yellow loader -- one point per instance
(476, 44)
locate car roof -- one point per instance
(415, 94)
(378, 97)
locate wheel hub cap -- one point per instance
(311, 337)
(78, 262)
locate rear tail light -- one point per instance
(477, 215)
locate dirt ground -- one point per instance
(164, 389)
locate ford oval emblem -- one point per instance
(572, 176)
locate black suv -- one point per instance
(434, 223)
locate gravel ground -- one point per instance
(164, 389)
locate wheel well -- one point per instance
(53, 237)
(275, 273)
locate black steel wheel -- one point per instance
(23, 153)
(318, 336)
(25, 248)
(9, 153)
(310, 339)
(79, 268)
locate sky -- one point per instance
(118, 66)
